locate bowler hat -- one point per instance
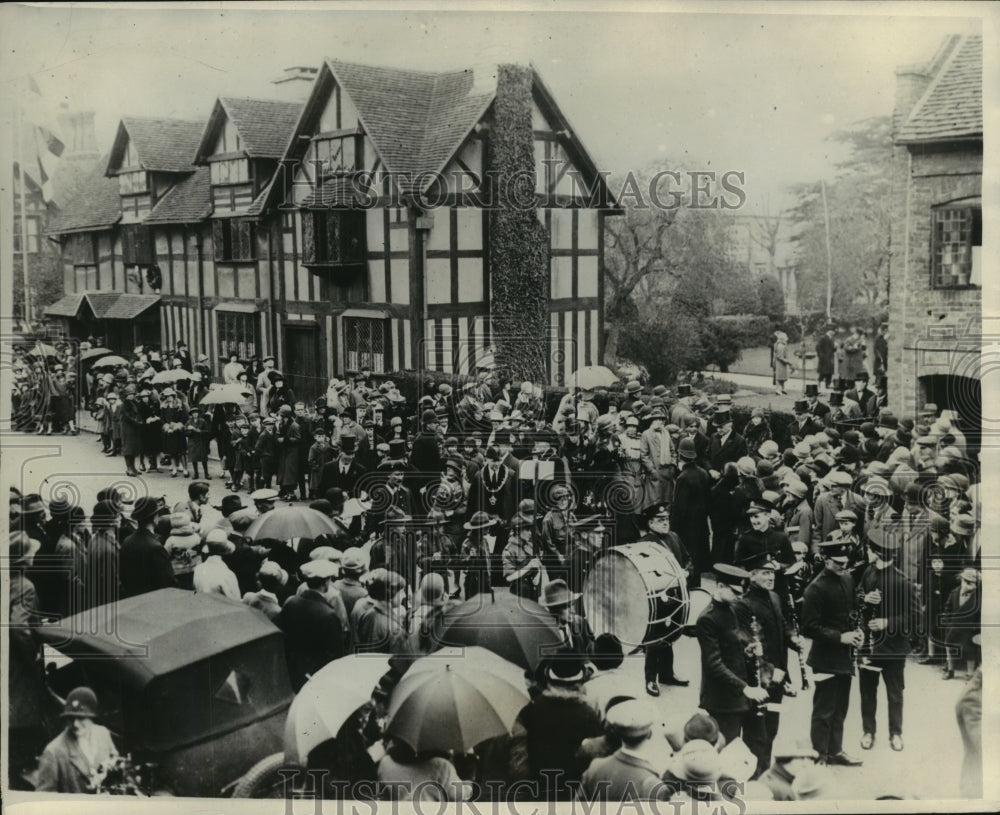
(687, 450)
(230, 504)
(81, 703)
(145, 509)
(633, 387)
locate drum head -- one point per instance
(636, 592)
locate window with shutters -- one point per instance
(137, 245)
(956, 248)
(234, 239)
(333, 238)
(239, 333)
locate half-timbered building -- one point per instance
(350, 231)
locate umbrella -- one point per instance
(455, 700)
(593, 376)
(171, 376)
(286, 523)
(41, 349)
(326, 701)
(515, 628)
(112, 361)
(93, 353)
(227, 395)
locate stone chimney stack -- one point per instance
(78, 133)
(295, 83)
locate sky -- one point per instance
(727, 90)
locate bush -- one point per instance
(772, 298)
(752, 330)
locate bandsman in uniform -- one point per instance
(828, 620)
(659, 667)
(886, 601)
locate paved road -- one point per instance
(928, 768)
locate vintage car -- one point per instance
(195, 684)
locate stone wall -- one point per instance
(932, 331)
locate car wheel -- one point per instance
(263, 779)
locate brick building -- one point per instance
(935, 276)
(302, 230)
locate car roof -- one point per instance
(153, 634)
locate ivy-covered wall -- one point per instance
(519, 243)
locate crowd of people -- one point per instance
(848, 527)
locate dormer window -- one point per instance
(134, 182)
(337, 154)
(230, 171)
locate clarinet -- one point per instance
(755, 646)
(794, 619)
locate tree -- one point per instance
(45, 271)
(858, 202)
(772, 298)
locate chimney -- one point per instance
(295, 83)
(78, 133)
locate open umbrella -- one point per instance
(94, 353)
(455, 699)
(227, 395)
(112, 361)
(286, 523)
(171, 376)
(326, 701)
(593, 376)
(515, 628)
(41, 349)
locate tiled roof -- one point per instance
(415, 118)
(258, 204)
(68, 306)
(952, 107)
(95, 205)
(162, 145)
(264, 125)
(187, 202)
(113, 305)
(71, 175)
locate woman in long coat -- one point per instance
(782, 365)
(132, 423)
(289, 436)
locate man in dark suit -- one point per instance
(727, 692)
(804, 424)
(816, 409)
(493, 490)
(343, 472)
(689, 518)
(861, 394)
(888, 605)
(726, 445)
(314, 633)
(825, 350)
(425, 454)
(828, 620)
(184, 356)
(144, 564)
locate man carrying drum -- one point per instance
(659, 666)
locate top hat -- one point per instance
(836, 399)
(722, 416)
(349, 444)
(812, 389)
(800, 406)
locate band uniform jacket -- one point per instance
(898, 607)
(765, 606)
(723, 659)
(144, 565)
(826, 614)
(773, 541)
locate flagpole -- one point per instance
(24, 216)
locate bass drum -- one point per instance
(638, 592)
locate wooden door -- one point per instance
(303, 368)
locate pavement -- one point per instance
(928, 768)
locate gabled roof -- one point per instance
(67, 306)
(417, 119)
(162, 145)
(187, 202)
(96, 204)
(264, 125)
(952, 106)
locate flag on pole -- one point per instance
(42, 144)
